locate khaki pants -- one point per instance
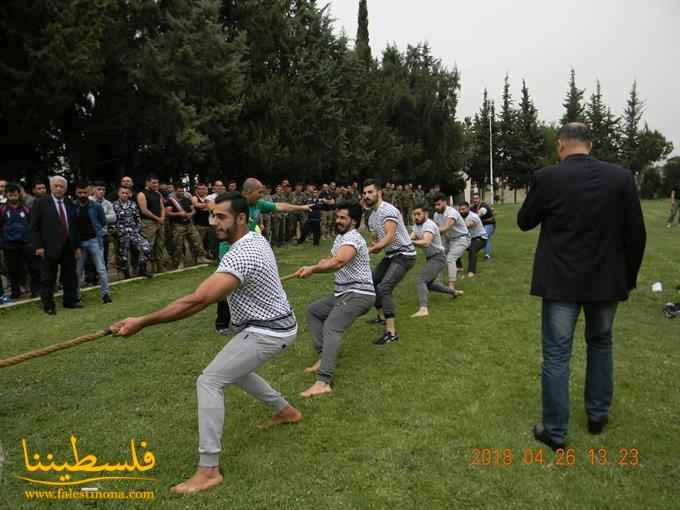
(180, 234)
(155, 234)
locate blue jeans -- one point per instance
(94, 249)
(490, 231)
(558, 322)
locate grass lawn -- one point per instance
(400, 430)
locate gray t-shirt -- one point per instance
(431, 227)
(458, 229)
(476, 227)
(401, 245)
(259, 304)
(356, 275)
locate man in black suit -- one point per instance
(588, 256)
(56, 242)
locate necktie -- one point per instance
(62, 218)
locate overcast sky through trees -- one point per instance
(617, 41)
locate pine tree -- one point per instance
(507, 144)
(604, 128)
(362, 45)
(531, 141)
(479, 164)
(573, 102)
(632, 116)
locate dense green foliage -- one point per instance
(103, 88)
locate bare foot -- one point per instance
(287, 416)
(316, 389)
(203, 479)
(314, 368)
(422, 312)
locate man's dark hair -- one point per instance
(354, 210)
(440, 196)
(238, 202)
(120, 187)
(82, 184)
(100, 184)
(425, 207)
(151, 177)
(576, 132)
(12, 187)
(373, 182)
(201, 183)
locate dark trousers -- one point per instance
(312, 225)
(476, 244)
(21, 263)
(69, 280)
(558, 323)
(386, 275)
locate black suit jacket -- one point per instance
(592, 231)
(46, 227)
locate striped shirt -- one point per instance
(459, 229)
(259, 304)
(477, 228)
(401, 245)
(431, 227)
(355, 276)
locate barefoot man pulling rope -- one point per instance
(265, 326)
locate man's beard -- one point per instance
(339, 229)
(419, 222)
(465, 215)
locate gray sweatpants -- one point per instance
(328, 318)
(455, 249)
(386, 275)
(427, 279)
(234, 364)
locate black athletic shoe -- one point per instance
(106, 299)
(387, 338)
(223, 318)
(377, 320)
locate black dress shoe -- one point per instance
(106, 299)
(541, 435)
(596, 426)
(377, 320)
(74, 305)
(50, 311)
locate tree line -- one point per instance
(106, 88)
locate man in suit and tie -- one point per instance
(589, 252)
(56, 242)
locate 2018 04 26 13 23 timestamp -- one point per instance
(624, 457)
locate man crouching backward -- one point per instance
(265, 325)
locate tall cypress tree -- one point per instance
(631, 129)
(573, 103)
(507, 145)
(531, 141)
(604, 127)
(363, 47)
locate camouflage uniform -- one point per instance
(388, 196)
(419, 195)
(127, 230)
(408, 202)
(298, 218)
(184, 230)
(278, 222)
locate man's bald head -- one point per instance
(253, 189)
(574, 138)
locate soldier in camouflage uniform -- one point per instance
(419, 194)
(127, 230)
(327, 224)
(399, 200)
(277, 221)
(388, 194)
(297, 219)
(180, 210)
(408, 202)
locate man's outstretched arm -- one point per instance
(212, 290)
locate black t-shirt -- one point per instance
(202, 216)
(153, 202)
(317, 206)
(86, 230)
(184, 203)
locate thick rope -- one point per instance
(38, 353)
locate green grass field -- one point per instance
(400, 430)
